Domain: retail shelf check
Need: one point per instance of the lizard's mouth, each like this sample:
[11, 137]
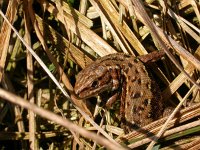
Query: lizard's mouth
[91, 92]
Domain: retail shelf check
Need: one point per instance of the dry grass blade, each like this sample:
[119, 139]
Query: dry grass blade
[123, 29]
[56, 82]
[51, 116]
[146, 20]
[180, 79]
[74, 53]
[5, 34]
[30, 85]
[139, 137]
[167, 133]
[88, 36]
[65, 37]
[164, 127]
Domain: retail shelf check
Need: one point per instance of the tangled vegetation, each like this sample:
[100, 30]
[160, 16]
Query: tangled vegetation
[39, 109]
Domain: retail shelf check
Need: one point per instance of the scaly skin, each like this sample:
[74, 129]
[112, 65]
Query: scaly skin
[125, 77]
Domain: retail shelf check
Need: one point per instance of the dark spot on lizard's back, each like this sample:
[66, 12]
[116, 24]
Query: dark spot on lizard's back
[136, 95]
[141, 108]
[139, 81]
[130, 65]
[146, 102]
[136, 71]
[128, 56]
[128, 103]
[129, 88]
[129, 77]
[134, 110]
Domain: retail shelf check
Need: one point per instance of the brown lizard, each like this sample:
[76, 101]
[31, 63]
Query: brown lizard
[126, 77]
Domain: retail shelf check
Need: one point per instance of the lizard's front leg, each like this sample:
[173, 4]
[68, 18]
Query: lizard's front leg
[115, 74]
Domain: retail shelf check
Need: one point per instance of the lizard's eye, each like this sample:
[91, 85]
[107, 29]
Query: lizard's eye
[94, 84]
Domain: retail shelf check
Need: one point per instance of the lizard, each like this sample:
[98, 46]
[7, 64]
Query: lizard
[127, 78]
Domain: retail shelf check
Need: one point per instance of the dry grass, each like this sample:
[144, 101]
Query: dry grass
[66, 37]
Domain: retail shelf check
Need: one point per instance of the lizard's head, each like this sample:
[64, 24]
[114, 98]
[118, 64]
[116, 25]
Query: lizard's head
[92, 80]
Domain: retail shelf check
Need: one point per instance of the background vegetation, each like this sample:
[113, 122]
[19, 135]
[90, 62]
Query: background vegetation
[67, 35]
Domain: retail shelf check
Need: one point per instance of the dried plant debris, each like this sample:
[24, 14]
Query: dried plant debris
[69, 35]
